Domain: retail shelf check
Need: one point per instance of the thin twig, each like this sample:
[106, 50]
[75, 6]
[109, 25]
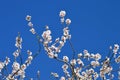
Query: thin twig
[73, 50]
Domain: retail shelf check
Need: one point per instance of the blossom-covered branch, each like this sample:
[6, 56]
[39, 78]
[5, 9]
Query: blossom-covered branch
[79, 70]
[82, 66]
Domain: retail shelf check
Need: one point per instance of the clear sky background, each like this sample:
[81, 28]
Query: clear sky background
[95, 26]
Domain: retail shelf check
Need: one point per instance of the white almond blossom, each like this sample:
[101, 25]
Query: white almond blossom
[1, 66]
[18, 42]
[116, 48]
[62, 78]
[95, 63]
[32, 30]
[68, 21]
[30, 24]
[65, 67]
[54, 74]
[16, 66]
[117, 59]
[73, 62]
[62, 14]
[65, 59]
[28, 18]
[16, 53]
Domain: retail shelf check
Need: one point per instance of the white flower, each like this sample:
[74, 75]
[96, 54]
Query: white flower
[62, 20]
[65, 59]
[106, 62]
[18, 43]
[110, 47]
[46, 35]
[23, 67]
[63, 38]
[30, 24]
[61, 43]
[77, 70]
[68, 21]
[52, 47]
[66, 32]
[116, 48]
[1, 65]
[65, 67]
[57, 40]
[117, 59]
[80, 62]
[49, 38]
[16, 54]
[18, 39]
[48, 32]
[85, 51]
[29, 52]
[73, 62]
[32, 30]
[92, 56]
[7, 61]
[51, 55]
[97, 56]
[16, 66]
[55, 55]
[95, 75]
[46, 27]
[79, 55]
[28, 17]
[69, 36]
[91, 71]
[30, 58]
[84, 73]
[62, 78]
[95, 63]
[54, 74]
[21, 73]
[106, 69]
[87, 55]
[62, 14]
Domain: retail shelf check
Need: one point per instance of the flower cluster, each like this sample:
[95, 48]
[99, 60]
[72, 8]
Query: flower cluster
[5, 63]
[50, 46]
[30, 24]
[81, 71]
[18, 69]
[76, 67]
[18, 43]
[82, 66]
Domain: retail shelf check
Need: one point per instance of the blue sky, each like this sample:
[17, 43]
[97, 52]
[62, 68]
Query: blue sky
[95, 26]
